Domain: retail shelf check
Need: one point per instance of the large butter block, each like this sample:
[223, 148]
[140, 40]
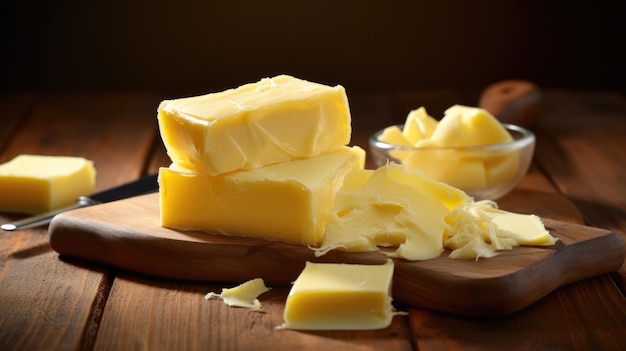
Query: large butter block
[330, 296]
[274, 120]
[34, 184]
[288, 201]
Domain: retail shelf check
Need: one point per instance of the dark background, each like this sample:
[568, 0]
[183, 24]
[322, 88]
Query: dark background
[192, 47]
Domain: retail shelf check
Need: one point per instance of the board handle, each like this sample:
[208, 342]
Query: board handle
[514, 101]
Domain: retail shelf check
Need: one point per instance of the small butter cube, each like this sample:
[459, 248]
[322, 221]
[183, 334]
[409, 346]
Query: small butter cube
[274, 120]
[334, 296]
[289, 201]
[35, 184]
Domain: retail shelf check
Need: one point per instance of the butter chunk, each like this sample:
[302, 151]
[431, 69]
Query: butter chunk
[525, 229]
[391, 207]
[469, 126]
[289, 201]
[419, 126]
[34, 184]
[244, 295]
[480, 229]
[274, 120]
[337, 296]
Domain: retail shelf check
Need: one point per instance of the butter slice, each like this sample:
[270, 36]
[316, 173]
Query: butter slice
[34, 184]
[336, 296]
[244, 295]
[274, 120]
[288, 201]
[391, 207]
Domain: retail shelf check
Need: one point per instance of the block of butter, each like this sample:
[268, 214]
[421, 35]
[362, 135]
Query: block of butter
[336, 296]
[274, 120]
[34, 184]
[288, 201]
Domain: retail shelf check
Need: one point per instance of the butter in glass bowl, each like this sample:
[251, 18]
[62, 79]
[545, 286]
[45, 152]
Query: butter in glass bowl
[468, 149]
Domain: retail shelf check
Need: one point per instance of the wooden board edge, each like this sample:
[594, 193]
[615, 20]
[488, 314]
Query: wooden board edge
[493, 296]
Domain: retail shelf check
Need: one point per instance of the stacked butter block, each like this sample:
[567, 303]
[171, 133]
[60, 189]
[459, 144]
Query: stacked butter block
[262, 160]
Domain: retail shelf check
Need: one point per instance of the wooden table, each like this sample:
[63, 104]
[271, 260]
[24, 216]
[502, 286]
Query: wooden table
[52, 302]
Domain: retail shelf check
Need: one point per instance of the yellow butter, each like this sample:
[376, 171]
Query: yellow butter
[480, 229]
[439, 156]
[469, 126]
[274, 120]
[394, 135]
[34, 184]
[332, 296]
[419, 126]
[289, 201]
[244, 295]
[394, 207]
[525, 229]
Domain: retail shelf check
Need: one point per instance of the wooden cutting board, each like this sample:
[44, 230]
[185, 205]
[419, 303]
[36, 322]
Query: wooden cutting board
[126, 234]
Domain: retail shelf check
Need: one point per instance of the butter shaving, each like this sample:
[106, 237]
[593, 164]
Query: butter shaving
[244, 295]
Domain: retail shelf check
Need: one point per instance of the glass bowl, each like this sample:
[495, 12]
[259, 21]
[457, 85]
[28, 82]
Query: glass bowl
[485, 172]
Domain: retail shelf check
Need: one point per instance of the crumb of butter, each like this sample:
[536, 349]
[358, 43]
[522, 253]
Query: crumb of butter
[244, 295]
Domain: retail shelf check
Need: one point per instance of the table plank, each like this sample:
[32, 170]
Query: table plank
[116, 131]
[594, 320]
[143, 313]
[15, 108]
[583, 151]
[47, 302]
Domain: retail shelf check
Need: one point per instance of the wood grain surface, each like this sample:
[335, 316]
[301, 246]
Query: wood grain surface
[51, 301]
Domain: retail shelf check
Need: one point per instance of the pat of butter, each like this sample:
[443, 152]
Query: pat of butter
[274, 120]
[335, 296]
[462, 126]
[244, 295]
[289, 201]
[34, 184]
[480, 229]
[419, 126]
[393, 207]
[469, 126]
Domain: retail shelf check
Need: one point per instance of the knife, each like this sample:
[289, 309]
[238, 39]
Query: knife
[144, 185]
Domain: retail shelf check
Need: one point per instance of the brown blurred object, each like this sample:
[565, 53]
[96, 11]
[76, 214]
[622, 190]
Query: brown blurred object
[513, 101]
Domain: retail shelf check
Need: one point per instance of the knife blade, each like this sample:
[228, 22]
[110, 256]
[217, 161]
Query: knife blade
[144, 185]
